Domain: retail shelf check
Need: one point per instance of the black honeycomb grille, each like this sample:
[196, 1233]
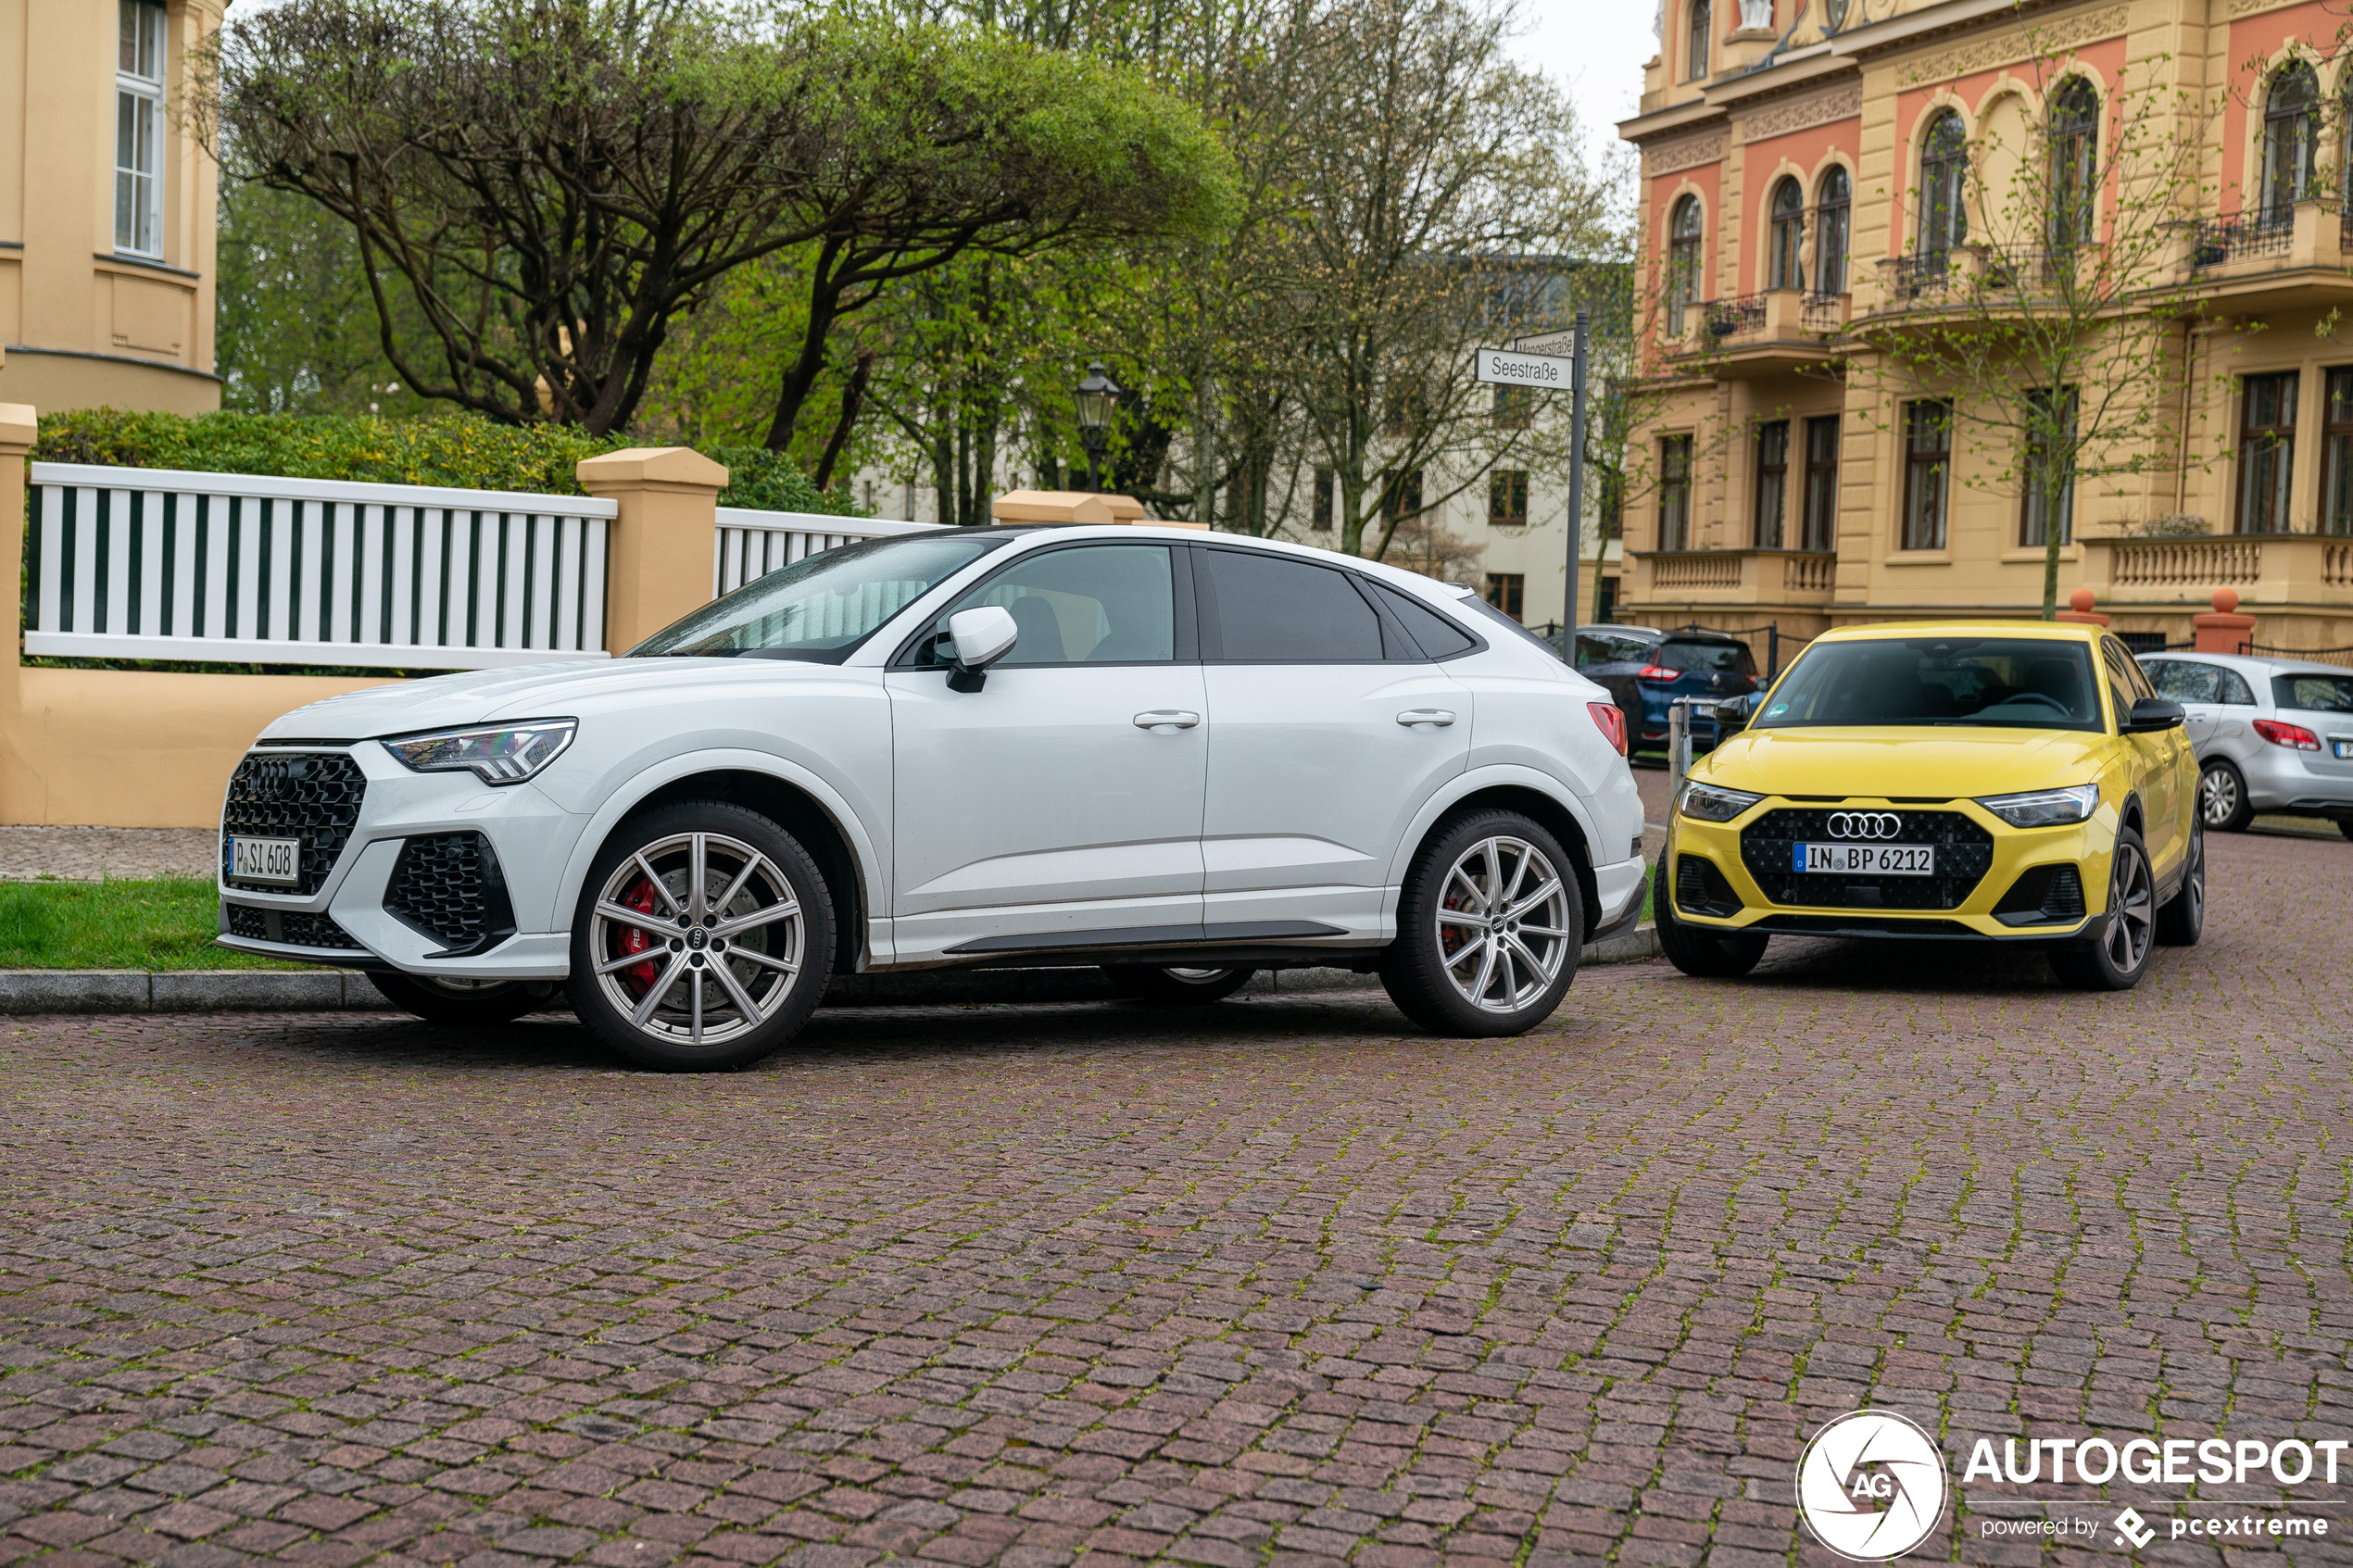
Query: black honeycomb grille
[1963, 854]
[298, 928]
[449, 887]
[313, 796]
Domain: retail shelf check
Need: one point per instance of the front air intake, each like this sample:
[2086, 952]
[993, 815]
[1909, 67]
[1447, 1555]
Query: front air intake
[449, 887]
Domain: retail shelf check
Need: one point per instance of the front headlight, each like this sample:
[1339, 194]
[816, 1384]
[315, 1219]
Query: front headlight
[2045, 807]
[1711, 803]
[496, 754]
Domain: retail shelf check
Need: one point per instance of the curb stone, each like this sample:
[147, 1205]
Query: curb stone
[339, 990]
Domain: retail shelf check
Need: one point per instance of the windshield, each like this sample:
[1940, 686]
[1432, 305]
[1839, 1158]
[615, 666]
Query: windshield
[823, 605]
[1729, 657]
[2314, 694]
[2012, 682]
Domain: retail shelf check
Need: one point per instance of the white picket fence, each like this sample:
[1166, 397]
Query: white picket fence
[237, 569]
[753, 543]
[153, 563]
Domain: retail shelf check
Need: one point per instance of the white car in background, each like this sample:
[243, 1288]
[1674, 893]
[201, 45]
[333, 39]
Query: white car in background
[1177, 757]
[2272, 735]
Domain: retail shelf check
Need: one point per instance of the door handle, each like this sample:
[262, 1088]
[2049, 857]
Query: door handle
[1164, 719]
[1435, 717]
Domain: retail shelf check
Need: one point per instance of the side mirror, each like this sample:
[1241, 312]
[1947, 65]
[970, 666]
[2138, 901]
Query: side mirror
[2152, 713]
[1732, 713]
[979, 638]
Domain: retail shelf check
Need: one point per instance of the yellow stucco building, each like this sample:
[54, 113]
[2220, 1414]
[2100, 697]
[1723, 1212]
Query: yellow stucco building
[106, 207]
[1819, 177]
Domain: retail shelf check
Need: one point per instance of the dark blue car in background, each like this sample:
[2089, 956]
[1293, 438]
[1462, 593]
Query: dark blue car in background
[1645, 669]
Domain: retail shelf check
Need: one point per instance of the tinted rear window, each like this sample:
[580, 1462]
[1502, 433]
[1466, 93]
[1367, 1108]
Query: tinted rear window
[2314, 694]
[1729, 657]
[1437, 636]
[1271, 610]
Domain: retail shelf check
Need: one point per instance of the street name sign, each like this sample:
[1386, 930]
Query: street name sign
[1507, 367]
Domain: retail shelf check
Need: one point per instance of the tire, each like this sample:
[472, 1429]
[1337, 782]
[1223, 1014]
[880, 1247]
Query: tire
[747, 960]
[463, 1004]
[2181, 920]
[1697, 951]
[1177, 986]
[2120, 956]
[2222, 804]
[1445, 925]
[2344, 826]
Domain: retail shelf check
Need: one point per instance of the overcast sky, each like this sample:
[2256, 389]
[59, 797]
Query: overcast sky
[1596, 49]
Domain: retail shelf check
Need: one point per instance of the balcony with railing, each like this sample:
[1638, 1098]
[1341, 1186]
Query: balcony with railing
[1769, 333]
[1736, 577]
[2269, 258]
[2291, 574]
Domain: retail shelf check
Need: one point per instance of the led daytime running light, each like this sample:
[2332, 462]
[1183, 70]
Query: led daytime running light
[496, 754]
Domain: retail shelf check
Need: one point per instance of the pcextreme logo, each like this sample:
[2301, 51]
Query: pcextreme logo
[1870, 1485]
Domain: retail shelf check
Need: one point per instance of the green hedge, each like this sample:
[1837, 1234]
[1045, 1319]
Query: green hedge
[460, 451]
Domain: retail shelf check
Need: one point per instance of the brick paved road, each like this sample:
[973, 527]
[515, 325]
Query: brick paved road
[1095, 1283]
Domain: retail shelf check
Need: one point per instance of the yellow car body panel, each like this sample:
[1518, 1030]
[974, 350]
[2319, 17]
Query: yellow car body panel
[2151, 776]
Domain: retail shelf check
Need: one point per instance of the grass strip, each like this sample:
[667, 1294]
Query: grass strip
[158, 923]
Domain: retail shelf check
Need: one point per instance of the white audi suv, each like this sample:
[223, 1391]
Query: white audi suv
[1180, 757]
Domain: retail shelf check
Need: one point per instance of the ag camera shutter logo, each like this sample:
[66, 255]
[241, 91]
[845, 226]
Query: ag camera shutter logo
[1871, 1486]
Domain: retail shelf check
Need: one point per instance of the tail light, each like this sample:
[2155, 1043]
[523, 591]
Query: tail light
[2295, 736]
[1611, 719]
[1657, 672]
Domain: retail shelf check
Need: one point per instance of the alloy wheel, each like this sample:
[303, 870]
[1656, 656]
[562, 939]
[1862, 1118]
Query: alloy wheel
[2132, 899]
[698, 938]
[1502, 924]
[2193, 885]
[2218, 796]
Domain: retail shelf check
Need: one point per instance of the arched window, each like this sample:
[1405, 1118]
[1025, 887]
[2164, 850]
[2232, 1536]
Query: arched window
[2075, 156]
[1696, 42]
[2291, 139]
[1682, 261]
[1944, 185]
[1831, 212]
[1782, 270]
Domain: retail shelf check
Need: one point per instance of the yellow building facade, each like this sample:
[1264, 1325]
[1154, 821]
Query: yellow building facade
[1818, 178]
[107, 207]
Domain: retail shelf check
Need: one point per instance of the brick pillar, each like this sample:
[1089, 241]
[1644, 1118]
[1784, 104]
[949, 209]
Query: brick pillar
[2224, 631]
[658, 558]
[19, 787]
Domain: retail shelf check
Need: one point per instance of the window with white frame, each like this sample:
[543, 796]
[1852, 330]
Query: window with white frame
[138, 129]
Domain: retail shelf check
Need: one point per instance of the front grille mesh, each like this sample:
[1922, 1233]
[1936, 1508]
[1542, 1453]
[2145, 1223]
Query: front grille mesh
[449, 886]
[1963, 854]
[313, 796]
[298, 928]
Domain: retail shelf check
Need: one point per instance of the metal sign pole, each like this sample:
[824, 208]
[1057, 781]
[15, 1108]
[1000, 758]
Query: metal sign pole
[1576, 488]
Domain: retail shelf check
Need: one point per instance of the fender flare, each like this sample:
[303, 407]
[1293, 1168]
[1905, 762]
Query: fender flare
[1502, 775]
[731, 759]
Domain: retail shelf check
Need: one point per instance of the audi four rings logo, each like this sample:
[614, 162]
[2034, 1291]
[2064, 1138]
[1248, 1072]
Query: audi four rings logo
[1865, 824]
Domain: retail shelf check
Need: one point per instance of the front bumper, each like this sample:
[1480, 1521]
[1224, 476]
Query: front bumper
[2015, 852]
[529, 835]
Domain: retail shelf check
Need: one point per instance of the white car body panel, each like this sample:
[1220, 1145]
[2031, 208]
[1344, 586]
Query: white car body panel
[1033, 805]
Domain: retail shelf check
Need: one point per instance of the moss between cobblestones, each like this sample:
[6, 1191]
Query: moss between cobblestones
[163, 922]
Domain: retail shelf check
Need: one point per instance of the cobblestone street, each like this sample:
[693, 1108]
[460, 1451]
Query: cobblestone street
[1274, 1281]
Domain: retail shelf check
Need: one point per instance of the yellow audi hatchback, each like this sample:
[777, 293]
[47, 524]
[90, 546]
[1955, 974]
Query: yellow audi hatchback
[1966, 781]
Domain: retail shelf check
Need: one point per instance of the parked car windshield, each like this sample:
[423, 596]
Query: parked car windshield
[2314, 694]
[821, 606]
[2012, 682]
[1729, 657]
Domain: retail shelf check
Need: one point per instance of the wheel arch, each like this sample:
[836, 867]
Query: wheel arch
[1535, 796]
[805, 806]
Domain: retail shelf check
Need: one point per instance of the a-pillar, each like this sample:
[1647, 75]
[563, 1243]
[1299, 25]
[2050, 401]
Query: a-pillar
[659, 554]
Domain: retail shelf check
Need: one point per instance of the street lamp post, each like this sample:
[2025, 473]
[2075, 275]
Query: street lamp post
[1096, 396]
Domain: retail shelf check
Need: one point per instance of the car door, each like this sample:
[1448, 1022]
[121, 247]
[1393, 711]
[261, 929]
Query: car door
[1063, 796]
[1329, 729]
[2197, 687]
[2161, 764]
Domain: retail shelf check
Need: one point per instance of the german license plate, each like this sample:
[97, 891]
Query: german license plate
[1865, 859]
[266, 860]
[2344, 747]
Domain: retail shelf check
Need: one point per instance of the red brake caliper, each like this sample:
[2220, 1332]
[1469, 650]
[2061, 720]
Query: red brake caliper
[636, 939]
